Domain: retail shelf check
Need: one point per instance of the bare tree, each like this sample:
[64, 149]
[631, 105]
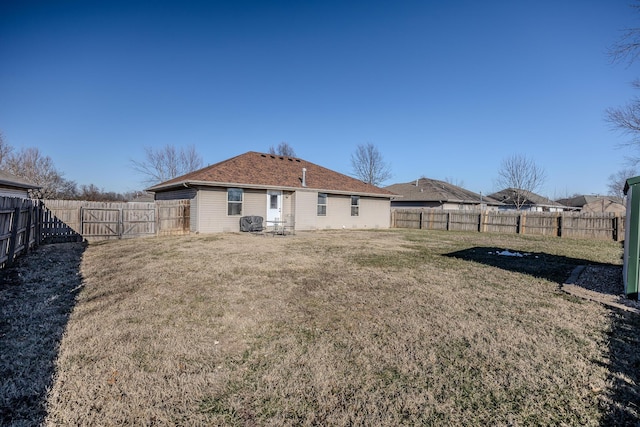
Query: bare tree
[627, 48]
[626, 119]
[31, 165]
[521, 175]
[168, 162]
[368, 165]
[5, 150]
[283, 149]
[618, 180]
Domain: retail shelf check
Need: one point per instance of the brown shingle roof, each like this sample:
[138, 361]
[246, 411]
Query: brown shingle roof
[270, 170]
[433, 190]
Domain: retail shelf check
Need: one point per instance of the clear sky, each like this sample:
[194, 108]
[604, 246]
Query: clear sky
[444, 89]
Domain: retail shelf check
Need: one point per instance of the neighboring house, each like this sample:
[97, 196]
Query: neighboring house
[596, 204]
[277, 188]
[431, 193]
[528, 201]
[12, 186]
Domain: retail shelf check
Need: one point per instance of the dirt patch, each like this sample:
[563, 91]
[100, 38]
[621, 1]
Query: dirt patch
[37, 295]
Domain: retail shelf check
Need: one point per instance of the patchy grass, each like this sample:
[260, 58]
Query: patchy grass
[341, 328]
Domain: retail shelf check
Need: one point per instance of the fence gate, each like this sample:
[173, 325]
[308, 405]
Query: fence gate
[117, 223]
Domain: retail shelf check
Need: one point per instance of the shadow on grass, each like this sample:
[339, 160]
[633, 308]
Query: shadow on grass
[555, 268]
[37, 296]
[624, 371]
[622, 400]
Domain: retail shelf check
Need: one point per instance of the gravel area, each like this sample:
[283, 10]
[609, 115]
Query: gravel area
[601, 283]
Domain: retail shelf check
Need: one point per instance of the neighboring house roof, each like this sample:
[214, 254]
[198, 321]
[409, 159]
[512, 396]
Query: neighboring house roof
[587, 203]
[433, 190]
[259, 170]
[507, 196]
[10, 180]
[582, 200]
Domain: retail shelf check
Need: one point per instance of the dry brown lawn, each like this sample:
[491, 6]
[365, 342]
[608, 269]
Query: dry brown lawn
[343, 328]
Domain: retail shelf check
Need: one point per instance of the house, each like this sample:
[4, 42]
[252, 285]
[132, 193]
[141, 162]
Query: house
[12, 186]
[595, 204]
[515, 199]
[431, 193]
[277, 188]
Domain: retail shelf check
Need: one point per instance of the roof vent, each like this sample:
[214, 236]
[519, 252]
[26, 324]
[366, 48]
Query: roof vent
[304, 177]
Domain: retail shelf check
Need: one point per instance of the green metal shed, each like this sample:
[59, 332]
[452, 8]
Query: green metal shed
[631, 268]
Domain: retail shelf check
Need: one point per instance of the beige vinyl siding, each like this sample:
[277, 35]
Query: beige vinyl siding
[305, 208]
[255, 203]
[212, 209]
[374, 212]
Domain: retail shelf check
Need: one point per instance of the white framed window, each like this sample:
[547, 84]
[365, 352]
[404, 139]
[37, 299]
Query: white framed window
[355, 205]
[322, 204]
[234, 201]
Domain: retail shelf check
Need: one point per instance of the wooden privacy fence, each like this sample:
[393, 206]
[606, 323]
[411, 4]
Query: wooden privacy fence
[26, 223]
[92, 221]
[19, 227]
[562, 224]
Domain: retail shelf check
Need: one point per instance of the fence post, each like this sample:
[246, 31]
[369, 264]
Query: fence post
[448, 220]
[27, 233]
[518, 221]
[38, 218]
[420, 218]
[615, 223]
[560, 224]
[14, 235]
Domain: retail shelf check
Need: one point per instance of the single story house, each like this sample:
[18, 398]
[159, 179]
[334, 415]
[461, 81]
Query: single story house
[526, 200]
[595, 204]
[277, 188]
[12, 186]
[432, 193]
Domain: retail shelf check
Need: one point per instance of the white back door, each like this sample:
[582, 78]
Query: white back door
[274, 205]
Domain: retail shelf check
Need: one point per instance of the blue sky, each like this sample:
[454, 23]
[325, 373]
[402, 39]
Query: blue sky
[443, 89]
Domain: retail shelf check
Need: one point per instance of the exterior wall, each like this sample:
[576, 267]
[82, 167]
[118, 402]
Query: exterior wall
[604, 206]
[255, 203]
[306, 208]
[14, 192]
[210, 214]
[212, 209]
[373, 212]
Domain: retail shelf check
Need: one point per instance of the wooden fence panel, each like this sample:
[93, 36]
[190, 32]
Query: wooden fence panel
[500, 222]
[540, 223]
[464, 221]
[597, 226]
[173, 217]
[95, 221]
[563, 224]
